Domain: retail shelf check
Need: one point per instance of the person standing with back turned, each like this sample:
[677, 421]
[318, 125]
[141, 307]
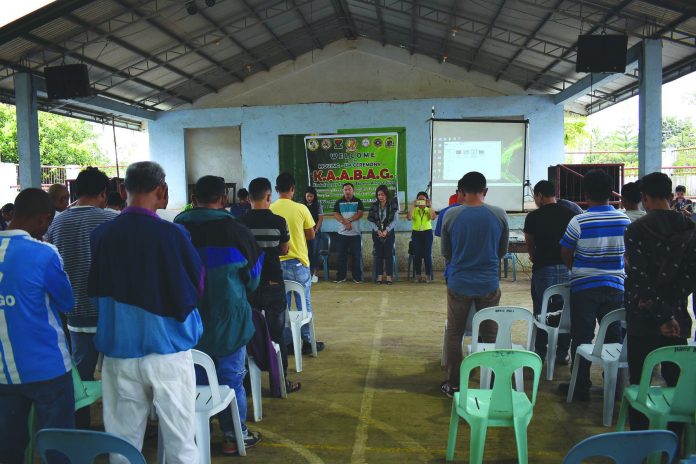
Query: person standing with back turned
[145, 279]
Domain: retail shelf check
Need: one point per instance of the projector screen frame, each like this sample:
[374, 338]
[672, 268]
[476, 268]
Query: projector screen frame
[525, 168]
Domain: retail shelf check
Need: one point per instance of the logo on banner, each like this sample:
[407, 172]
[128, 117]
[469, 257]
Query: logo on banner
[389, 143]
[326, 144]
[351, 145]
[365, 142]
[338, 143]
[377, 142]
[312, 144]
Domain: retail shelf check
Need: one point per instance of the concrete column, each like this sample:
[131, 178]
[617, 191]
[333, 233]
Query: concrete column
[27, 131]
[650, 108]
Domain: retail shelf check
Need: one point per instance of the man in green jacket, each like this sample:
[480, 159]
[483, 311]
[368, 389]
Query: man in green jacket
[232, 262]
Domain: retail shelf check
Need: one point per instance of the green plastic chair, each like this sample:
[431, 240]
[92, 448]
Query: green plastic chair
[662, 405]
[500, 407]
[87, 392]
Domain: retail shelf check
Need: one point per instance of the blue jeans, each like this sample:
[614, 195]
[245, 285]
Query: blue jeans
[54, 403]
[354, 243]
[231, 371]
[294, 270]
[587, 307]
[542, 279]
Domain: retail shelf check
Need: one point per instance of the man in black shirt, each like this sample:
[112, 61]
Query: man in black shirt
[272, 235]
[543, 230]
[661, 265]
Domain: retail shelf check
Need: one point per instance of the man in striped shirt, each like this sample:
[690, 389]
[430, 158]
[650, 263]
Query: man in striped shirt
[593, 249]
[70, 233]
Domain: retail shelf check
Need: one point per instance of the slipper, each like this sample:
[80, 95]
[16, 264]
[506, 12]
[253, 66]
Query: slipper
[292, 387]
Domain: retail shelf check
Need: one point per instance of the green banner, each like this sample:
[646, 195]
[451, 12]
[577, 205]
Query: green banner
[365, 160]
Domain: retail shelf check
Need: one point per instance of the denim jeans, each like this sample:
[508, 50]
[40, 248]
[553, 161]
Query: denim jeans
[354, 243]
[383, 251]
[587, 307]
[423, 247]
[231, 371]
[294, 270]
[542, 279]
[85, 357]
[54, 403]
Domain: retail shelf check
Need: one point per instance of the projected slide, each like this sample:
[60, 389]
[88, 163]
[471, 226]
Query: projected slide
[495, 149]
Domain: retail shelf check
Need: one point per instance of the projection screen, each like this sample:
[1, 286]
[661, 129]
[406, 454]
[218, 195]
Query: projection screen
[496, 148]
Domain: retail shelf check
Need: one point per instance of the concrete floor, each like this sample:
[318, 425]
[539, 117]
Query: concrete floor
[372, 396]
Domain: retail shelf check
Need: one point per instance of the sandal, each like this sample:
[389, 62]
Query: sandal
[292, 387]
[448, 389]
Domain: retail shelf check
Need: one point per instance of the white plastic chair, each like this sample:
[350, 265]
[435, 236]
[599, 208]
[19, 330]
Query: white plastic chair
[467, 333]
[255, 380]
[296, 319]
[562, 290]
[504, 316]
[612, 357]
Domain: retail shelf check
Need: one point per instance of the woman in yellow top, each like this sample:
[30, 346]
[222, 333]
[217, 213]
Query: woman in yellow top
[421, 213]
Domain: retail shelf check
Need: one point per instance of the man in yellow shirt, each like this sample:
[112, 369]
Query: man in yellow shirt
[295, 264]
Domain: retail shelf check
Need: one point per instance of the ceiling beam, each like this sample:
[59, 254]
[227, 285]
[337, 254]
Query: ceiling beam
[608, 15]
[115, 71]
[414, 17]
[38, 18]
[380, 20]
[290, 54]
[531, 37]
[341, 8]
[450, 31]
[307, 27]
[488, 29]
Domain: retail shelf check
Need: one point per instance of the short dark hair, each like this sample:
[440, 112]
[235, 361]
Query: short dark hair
[259, 188]
[545, 188]
[210, 189]
[242, 194]
[631, 192]
[91, 182]
[31, 202]
[285, 182]
[311, 190]
[144, 177]
[597, 185]
[657, 185]
[425, 194]
[680, 188]
[8, 207]
[472, 182]
[114, 199]
[348, 183]
[382, 188]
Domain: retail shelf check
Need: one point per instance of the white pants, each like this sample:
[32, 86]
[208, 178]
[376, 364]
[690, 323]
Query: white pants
[131, 386]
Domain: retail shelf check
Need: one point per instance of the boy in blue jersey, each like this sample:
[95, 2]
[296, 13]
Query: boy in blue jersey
[474, 239]
[232, 263]
[36, 366]
[593, 249]
[145, 280]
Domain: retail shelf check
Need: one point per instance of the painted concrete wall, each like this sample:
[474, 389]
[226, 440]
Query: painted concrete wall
[260, 127]
[214, 151]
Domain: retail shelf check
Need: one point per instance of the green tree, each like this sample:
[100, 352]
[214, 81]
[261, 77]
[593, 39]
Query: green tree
[575, 137]
[62, 140]
[678, 133]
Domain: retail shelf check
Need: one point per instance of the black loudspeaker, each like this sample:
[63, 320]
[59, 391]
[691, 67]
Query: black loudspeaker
[67, 81]
[601, 53]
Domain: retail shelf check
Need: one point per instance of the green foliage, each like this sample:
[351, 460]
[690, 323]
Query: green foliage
[575, 134]
[62, 140]
[678, 133]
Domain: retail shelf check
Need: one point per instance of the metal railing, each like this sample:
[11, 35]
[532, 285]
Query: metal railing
[59, 174]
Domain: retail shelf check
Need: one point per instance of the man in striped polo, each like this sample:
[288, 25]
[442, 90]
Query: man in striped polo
[593, 249]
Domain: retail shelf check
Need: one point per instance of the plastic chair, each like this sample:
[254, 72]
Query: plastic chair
[499, 407]
[255, 380]
[210, 400]
[83, 446]
[625, 447]
[324, 252]
[612, 357]
[296, 319]
[562, 290]
[395, 265]
[513, 258]
[86, 393]
[662, 405]
[504, 316]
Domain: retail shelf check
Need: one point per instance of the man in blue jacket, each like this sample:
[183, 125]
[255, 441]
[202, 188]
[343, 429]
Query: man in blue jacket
[232, 263]
[35, 362]
[145, 280]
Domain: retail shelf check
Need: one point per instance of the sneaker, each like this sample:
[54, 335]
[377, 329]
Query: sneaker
[448, 389]
[562, 360]
[315, 279]
[307, 347]
[229, 445]
[580, 394]
[357, 281]
[252, 439]
[338, 281]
